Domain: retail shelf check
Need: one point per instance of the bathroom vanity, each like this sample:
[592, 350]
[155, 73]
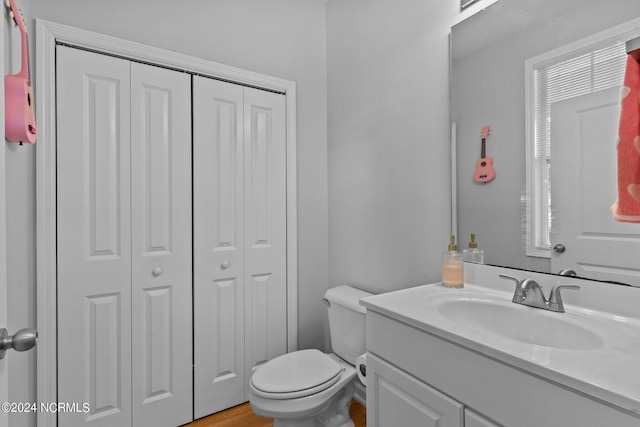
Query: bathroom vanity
[471, 357]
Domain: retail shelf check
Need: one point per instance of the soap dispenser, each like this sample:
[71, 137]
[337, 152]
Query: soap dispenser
[473, 254]
[452, 267]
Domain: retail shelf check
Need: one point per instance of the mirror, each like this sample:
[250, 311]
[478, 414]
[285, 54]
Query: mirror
[488, 54]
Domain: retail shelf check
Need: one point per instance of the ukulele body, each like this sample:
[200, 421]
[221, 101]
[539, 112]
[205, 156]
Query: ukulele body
[484, 170]
[19, 118]
[19, 111]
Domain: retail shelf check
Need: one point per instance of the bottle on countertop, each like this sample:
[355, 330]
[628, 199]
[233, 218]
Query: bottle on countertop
[473, 254]
[452, 267]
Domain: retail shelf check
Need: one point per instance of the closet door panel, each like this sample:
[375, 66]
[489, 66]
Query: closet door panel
[94, 244]
[161, 246]
[219, 374]
[265, 227]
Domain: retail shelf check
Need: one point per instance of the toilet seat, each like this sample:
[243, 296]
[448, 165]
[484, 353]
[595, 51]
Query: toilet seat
[298, 374]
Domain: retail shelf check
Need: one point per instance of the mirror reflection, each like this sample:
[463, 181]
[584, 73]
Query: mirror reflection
[545, 76]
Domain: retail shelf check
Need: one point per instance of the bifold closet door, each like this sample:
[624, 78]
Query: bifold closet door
[94, 237]
[239, 238]
[265, 228]
[162, 337]
[218, 261]
[124, 241]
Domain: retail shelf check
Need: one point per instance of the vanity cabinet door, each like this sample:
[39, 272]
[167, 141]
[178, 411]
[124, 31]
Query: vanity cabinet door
[473, 419]
[395, 398]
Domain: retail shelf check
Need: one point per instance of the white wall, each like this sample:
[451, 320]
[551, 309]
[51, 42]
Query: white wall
[389, 139]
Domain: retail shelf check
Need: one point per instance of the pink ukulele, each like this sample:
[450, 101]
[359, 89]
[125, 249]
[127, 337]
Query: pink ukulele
[19, 116]
[484, 165]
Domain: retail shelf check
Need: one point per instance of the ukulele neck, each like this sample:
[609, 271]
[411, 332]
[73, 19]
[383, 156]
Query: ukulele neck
[24, 68]
[483, 151]
[17, 19]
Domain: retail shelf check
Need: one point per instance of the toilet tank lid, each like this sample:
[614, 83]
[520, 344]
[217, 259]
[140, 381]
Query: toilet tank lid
[347, 296]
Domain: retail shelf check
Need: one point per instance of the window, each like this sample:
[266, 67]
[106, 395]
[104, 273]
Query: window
[580, 68]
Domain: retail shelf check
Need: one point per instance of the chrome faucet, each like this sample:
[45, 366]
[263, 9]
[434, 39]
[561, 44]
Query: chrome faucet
[568, 272]
[555, 298]
[528, 292]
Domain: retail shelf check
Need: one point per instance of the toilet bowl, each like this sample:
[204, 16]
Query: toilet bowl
[307, 404]
[309, 388]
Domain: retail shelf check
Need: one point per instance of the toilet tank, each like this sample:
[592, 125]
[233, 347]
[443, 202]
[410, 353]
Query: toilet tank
[346, 321]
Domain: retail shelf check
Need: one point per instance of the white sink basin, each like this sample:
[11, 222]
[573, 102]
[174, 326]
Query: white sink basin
[516, 322]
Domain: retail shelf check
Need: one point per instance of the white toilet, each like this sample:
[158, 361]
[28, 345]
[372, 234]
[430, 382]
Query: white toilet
[308, 388]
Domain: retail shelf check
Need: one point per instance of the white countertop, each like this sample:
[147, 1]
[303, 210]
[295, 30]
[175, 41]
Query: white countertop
[610, 373]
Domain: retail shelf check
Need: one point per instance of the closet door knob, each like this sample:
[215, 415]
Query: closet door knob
[225, 264]
[157, 271]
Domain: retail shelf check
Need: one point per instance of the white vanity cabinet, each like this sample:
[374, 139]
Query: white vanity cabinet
[395, 398]
[418, 377]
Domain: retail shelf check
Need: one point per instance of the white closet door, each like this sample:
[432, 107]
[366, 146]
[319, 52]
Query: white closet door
[161, 246]
[265, 227]
[219, 372]
[94, 238]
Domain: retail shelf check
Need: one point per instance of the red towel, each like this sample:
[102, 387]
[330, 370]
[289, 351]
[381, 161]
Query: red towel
[627, 208]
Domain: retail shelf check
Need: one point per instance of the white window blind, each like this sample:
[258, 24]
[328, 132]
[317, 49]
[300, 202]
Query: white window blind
[563, 77]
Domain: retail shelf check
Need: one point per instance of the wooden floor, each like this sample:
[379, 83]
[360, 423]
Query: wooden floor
[243, 416]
